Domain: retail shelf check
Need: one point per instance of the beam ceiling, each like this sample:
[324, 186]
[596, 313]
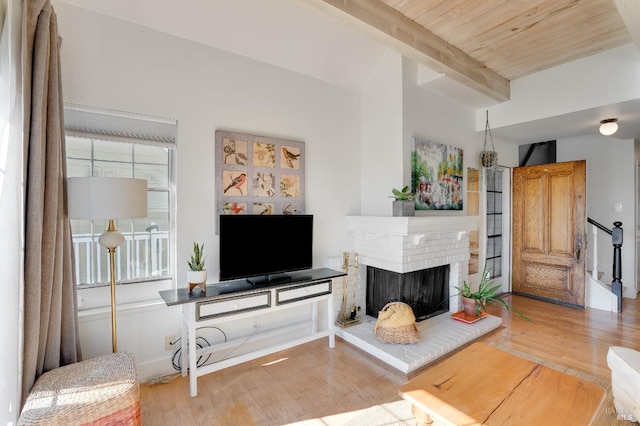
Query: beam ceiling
[418, 43]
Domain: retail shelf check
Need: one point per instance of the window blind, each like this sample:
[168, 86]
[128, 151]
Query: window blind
[80, 120]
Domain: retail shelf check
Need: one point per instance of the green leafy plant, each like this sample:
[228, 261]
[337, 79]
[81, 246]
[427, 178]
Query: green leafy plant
[487, 292]
[403, 195]
[196, 263]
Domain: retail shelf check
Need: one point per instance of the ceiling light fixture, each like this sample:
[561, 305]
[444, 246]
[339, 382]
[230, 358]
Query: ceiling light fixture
[609, 126]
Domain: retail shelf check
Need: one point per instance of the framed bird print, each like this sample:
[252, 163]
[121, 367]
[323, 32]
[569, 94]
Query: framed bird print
[258, 174]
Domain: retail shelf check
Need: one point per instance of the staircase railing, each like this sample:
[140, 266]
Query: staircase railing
[616, 240]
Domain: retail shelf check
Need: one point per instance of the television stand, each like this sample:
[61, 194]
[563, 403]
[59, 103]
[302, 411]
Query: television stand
[228, 301]
[274, 279]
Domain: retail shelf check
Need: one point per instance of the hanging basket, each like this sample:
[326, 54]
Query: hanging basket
[488, 159]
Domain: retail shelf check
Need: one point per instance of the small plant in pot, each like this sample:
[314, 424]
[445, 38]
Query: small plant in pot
[196, 274]
[404, 203]
[475, 302]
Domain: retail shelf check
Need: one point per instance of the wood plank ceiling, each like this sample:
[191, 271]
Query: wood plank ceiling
[487, 43]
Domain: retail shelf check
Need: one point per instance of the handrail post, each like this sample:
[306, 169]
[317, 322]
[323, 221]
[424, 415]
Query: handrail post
[616, 284]
[594, 269]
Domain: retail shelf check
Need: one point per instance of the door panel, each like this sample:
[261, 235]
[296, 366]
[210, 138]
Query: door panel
[549, 219]
[531, 209]
[561, 243]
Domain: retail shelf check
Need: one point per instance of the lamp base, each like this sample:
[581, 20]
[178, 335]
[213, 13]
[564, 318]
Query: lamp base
[111, 239]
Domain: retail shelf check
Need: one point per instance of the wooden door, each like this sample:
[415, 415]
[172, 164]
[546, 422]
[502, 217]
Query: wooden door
[549, 240]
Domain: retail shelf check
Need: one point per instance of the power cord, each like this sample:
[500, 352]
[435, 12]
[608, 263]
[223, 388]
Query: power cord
[163, 380]
[255, 330]
[201, 342]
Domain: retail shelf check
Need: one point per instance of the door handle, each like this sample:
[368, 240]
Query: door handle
[578, 250]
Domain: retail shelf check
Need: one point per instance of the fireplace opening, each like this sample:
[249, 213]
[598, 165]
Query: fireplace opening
[426, 290]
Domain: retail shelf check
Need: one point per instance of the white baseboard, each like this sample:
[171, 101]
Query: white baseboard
[156, 368]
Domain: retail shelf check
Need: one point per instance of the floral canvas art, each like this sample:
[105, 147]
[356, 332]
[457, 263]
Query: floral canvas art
[436, 175]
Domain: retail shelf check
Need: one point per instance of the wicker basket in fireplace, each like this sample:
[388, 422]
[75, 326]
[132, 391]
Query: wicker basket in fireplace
[396, 324]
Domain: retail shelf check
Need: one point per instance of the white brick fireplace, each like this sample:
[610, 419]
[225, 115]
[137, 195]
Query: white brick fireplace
[407, 244]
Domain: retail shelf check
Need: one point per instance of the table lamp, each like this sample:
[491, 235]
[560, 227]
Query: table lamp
[110, 198]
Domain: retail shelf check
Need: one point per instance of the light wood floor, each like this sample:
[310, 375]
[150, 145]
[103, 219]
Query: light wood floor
[312, 381]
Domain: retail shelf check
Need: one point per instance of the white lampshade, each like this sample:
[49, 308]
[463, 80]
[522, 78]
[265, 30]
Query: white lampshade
[106, 198]
[609, 126]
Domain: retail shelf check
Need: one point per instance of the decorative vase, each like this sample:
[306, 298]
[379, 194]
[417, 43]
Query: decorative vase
[404, 208]
[197, 278]
[469, 306]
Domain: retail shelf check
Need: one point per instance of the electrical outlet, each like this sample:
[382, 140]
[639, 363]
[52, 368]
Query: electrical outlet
[170, 342]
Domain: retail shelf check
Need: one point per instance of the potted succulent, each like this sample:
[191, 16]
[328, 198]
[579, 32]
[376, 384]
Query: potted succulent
[404, 203]
[196, 274]
[474, 303]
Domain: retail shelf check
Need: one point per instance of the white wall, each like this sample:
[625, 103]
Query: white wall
[394, 109]
[381, 147]
[595, 81]
[11, 213]
[432, 116]
[610, 179]
[114, 64]
[636, 232]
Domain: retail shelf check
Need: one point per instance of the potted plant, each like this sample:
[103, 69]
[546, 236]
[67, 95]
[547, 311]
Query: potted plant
[474, 303]
[404, 204]
[196, 274]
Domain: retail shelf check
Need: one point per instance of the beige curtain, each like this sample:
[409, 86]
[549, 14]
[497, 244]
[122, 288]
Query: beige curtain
[50, 311]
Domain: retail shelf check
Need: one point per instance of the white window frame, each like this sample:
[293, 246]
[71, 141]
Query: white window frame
[104, 124]
[505, 279]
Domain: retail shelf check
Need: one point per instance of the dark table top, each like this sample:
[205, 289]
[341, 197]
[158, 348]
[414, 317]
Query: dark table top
[216, 290]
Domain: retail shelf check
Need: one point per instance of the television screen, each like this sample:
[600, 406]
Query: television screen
[256, 247]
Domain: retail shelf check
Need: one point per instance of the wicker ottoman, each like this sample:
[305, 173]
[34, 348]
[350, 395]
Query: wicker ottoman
[98, 391]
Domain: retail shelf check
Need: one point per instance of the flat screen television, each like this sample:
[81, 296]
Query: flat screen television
[263, 249]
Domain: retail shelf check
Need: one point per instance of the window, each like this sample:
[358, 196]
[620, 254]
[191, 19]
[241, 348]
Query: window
[147, 251]
[494, 222]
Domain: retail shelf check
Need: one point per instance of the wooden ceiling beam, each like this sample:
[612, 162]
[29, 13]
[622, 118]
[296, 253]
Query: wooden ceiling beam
[629, 11]
[416, 42]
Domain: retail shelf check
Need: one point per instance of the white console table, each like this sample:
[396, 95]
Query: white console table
[233, 300]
